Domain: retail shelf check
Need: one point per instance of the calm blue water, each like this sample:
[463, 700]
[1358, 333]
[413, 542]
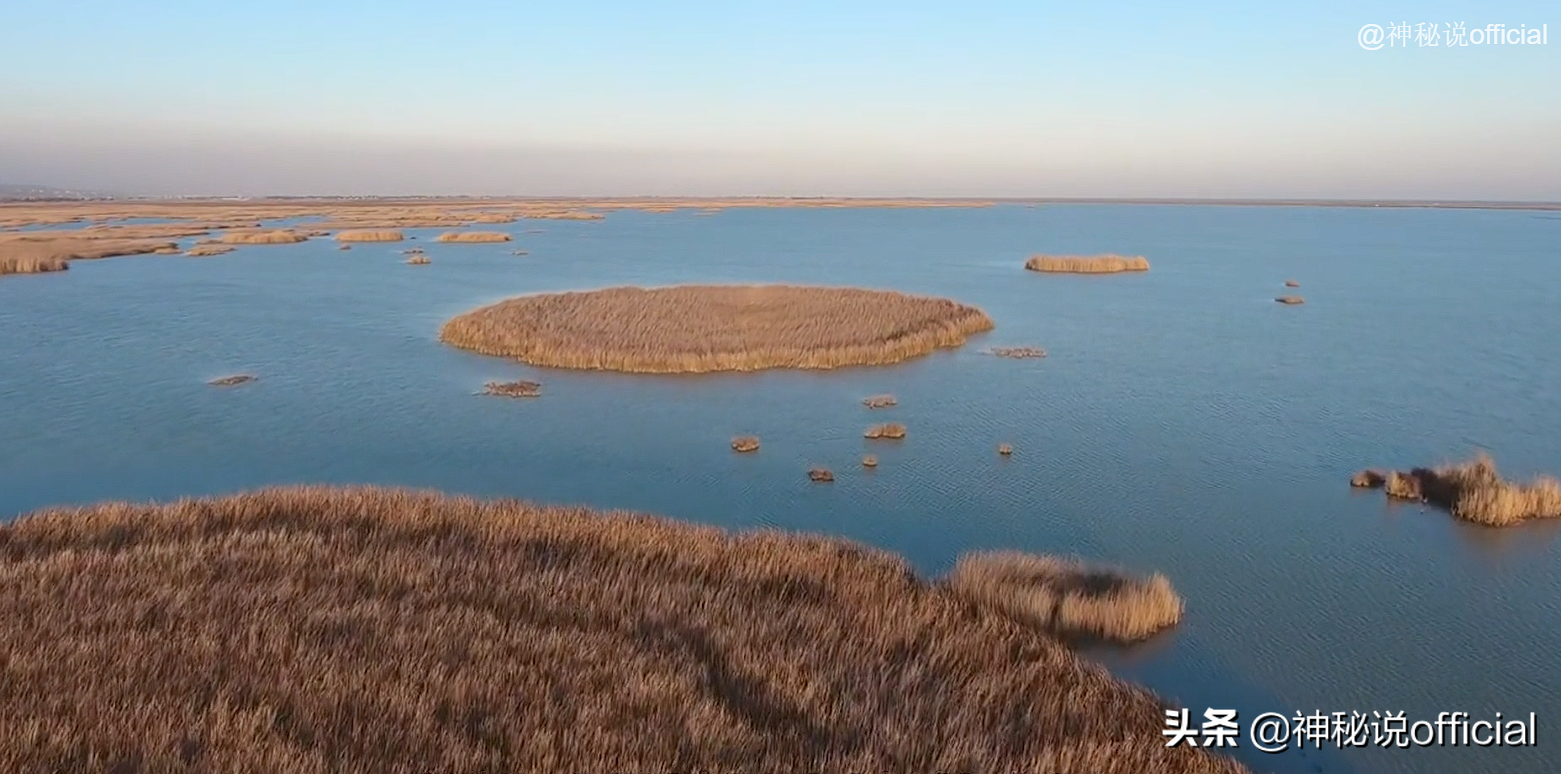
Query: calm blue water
[1184, 422]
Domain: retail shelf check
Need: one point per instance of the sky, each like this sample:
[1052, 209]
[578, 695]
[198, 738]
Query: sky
[983, 99]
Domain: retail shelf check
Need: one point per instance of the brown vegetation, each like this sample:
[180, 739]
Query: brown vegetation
[702, 328]
[369, 235]
[520, 389]
[879, 401]
[745, 443]
[1087, 264]
[869, 461]
[892, 430]
[312, 630]
[1066, 596]
[1368, 479]
[31, 252]
[419, 259]
[822, 475]
[1291, 300]
[1474, 491]
[281, 237]
[203, 251]
[474, 236]
[1018, 352]
[1005, 449]
[235, 379]
[1292, 284]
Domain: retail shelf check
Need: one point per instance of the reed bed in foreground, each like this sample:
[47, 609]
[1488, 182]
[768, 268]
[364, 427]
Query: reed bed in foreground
[312, 630]
[519, 389]
[1087, 264]
[745, 443]
[278, 237]
[1474, 491]
[879, 401]
[703, 328]
[369, 235]
[891, 430]
[1066, 596]
[473, 236]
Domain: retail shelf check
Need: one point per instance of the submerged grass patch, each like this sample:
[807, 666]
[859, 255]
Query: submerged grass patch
[1087, 264]
[1066, 596]
[519, 389]
[473, 236]
[702, 328]
[304, 630]
[230, 381]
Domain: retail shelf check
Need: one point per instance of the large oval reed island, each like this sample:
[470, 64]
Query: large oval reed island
[359, 629]
[703, 328]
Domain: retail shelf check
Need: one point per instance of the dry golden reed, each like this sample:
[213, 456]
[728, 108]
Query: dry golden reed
[892, 430]
[1087, 264]
[1066, 596]
[1474, 491]
[702, 328]
[879, 401]
[473, 236]
[1291, 300]
[204, 251]
[316, 630]
[1368, 479]
[519, 389]
[745, 443]
[44, 251]
[281, 237]
[1292, 284]
[369, 235]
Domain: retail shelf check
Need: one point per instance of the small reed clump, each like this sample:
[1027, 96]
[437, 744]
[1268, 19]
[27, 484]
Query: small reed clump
[419, 259]
[821, 475]
[1403, 486]
[1474, 491]
[1368, 479]
[1292, 284]
[32, 264]
[229, 381]
[879, 401]
[369, 235]
[280, 237]
[869, 461]
[745, 443]
[345, 247]
[890, 431]
[1291, 300]
[1066, 596]
[520, 389]
[1017, 352]
[1005, 449]
[1087, 264]
[203, 251]
[704, 328]
[473, 236]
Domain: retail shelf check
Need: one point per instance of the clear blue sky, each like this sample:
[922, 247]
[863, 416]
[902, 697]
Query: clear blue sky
[612, 97]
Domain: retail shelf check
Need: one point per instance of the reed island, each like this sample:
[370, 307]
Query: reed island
[704, 328]
[311, 629]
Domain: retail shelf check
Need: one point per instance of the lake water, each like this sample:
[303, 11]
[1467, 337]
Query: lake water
[1184, 422]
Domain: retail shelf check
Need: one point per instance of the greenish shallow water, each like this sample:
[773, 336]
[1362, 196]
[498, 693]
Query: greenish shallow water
[1184, 422]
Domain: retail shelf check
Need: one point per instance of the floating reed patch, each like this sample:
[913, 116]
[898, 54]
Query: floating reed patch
[745, 443]
[703, 328]
[369, 235]
[869, 461]
[279, 237]
[1368, 479]
[204, 251]
[1017, 352]
[520, 389]
[879, 401]
[1292, 284]
[821, 475]
[1474, 491]
[891, 431]
[1066, 596]
[235, 379]
[1087, 264]
[1005, 449]
[1291, 300]
[302, 630]
[473, 236]
[419, 259]
[345, 247]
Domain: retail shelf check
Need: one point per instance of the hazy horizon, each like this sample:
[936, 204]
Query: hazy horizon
[987, 100]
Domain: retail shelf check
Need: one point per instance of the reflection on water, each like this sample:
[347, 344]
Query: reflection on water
[1183, 421]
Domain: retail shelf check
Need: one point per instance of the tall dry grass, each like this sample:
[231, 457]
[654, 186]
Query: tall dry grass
[1087, 264]
[1474, 491]
[1066, 596]
[473, 236]
[38, 251]
[702, 328]
[315, 630]
[369, 235]
[32, 264]
[278, 237]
